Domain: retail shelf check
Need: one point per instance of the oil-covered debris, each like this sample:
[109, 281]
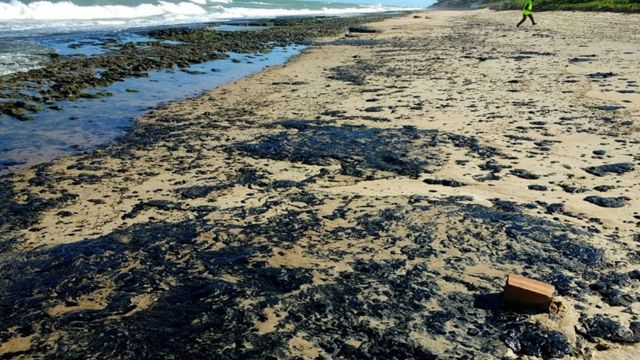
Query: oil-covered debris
[525, 174]
[355, 74]
[600, 326]
[445, 182]
[159, 289]
[358, 149]
[531, 339]
[607, 202]
[602, 170]
[20, 214]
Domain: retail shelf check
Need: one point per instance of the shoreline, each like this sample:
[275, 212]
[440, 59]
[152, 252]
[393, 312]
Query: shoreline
[391, 171]
[71, 94]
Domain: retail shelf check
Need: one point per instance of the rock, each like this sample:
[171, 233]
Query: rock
[603, 188]
[537, 187]
[572, 189]
[532, 340]
[196, 192]
[599, 152]
[601, 75]
[607, 202]
[600, 326]
[524, 174]
[445, 182]
[362, 29]
[617, 168]
[374, 109]
[609, 107]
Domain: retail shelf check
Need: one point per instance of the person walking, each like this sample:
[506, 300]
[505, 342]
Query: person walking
[526, 12]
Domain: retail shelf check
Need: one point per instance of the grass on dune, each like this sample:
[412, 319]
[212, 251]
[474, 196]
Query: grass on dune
[541, 5]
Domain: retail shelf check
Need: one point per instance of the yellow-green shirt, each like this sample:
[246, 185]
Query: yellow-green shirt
[528, 6]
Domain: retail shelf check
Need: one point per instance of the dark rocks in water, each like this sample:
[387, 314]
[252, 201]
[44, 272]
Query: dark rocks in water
[537, 187]
[600, 326]
[8, 163]
[524, 174]
[617, 168]
[607, 202]
[445, 182]
[363, 29]
[532, 340]
[68, 77]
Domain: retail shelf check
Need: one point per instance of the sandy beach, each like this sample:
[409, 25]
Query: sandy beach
[365, 200]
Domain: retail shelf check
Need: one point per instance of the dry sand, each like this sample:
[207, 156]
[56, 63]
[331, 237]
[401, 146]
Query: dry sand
[405, 267]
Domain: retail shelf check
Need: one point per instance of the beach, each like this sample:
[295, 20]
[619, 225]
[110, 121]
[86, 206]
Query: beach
[367, 199]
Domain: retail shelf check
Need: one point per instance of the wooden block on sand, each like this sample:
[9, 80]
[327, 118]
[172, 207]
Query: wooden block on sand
[526, 292]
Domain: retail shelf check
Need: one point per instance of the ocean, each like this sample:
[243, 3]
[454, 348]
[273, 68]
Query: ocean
[26, 24]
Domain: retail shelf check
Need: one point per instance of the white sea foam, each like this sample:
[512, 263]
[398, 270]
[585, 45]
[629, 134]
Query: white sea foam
[196, 10]
[46, 10]
[18, 19]
[226, 13]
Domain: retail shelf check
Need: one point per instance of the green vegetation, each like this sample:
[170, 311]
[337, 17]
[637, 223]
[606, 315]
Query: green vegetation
[542, 5]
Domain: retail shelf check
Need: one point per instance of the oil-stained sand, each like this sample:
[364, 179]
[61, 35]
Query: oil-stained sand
[364, 201]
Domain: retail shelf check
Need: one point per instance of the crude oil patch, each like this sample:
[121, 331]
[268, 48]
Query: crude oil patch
[210, 298]
[359, 150]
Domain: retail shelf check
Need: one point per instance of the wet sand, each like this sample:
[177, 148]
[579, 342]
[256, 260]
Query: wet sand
[366, 200]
